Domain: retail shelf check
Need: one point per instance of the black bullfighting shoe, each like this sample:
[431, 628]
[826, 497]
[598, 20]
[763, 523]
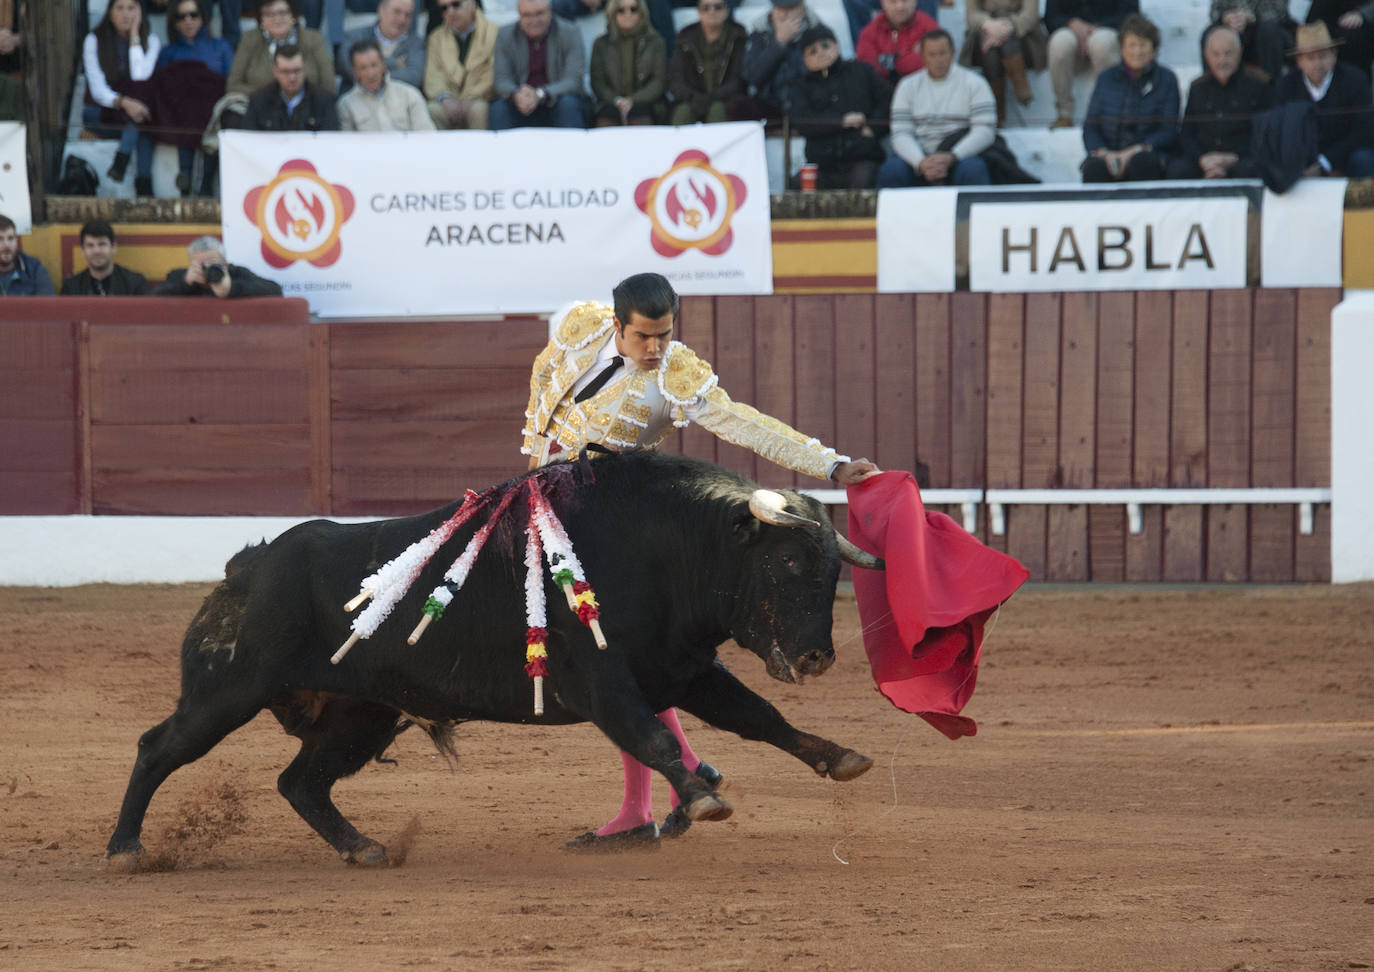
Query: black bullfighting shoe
[642, 838]
[677, 822]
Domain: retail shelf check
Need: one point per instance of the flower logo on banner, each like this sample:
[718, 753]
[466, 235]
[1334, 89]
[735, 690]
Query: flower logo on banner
[690, 206]
[299, 215]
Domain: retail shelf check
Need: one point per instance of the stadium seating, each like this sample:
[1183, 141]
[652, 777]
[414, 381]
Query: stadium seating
[1050, 156]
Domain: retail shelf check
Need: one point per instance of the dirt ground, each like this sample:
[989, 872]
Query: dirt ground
[1163, 779]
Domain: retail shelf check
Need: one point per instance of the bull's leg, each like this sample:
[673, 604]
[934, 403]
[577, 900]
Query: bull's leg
[621, 712]
[726, 703]
[339, 742]
[188, 734]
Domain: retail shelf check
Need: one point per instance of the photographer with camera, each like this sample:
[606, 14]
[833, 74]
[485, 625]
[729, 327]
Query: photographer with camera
[209, 273]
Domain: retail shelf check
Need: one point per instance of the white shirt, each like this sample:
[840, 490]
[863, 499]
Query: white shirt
[142, 60]
[1318, 92]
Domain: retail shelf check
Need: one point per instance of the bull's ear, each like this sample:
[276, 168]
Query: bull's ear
[746, 528]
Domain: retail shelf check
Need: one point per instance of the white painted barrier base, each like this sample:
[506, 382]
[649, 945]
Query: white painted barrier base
[62, 551]
[1352, 439]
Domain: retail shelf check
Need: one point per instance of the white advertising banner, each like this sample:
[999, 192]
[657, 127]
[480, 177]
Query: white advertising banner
[444, 223]
[916, 240]
[1136, 244]
[14, 176]
[1142, 236]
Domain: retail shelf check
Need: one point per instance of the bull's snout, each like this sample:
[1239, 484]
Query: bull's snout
[815, 662]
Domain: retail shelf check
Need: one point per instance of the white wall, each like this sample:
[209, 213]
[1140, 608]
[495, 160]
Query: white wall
[62, 551]
[1352, 439]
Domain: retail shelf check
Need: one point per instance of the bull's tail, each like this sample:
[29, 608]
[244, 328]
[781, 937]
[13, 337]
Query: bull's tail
[442, 734]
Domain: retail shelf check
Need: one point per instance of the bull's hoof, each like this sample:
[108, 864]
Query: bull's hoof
[641, 838]
[851, 766]
[709, 807]
[372, 854]
[126, 861]
[675, 824]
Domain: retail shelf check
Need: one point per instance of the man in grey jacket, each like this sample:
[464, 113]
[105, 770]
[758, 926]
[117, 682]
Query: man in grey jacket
[540, 63]
[402, 49]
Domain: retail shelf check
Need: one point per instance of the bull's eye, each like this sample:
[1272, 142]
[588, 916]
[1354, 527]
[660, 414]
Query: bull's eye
[790, 563]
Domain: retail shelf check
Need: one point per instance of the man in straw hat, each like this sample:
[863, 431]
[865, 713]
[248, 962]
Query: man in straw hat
[1340, 96]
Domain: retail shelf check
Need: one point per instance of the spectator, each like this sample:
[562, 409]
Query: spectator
[540, 63]
[230, 12]
[380, 103]
[773, 60]
[704, 74]
[20, 274]
[943, 118]
[118, 55]
[891, 42]
[1264, 27]
[277, 26]
[102, 276]
[1082, 32]
[186, 94]
[629, 68]
[1350, 22]
[1340, 97]
[209, 274]
[836, 106]
[1132, 121]
[13, 101]
[403, 50]
[459, 66]
[1214, 142]
[12, 37]
[1004, 39]
[291, 103]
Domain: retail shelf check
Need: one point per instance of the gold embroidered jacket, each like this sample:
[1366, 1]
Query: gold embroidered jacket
[639, 408]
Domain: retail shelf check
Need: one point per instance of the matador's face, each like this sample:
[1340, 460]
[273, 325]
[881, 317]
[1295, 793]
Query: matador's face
[644, 340]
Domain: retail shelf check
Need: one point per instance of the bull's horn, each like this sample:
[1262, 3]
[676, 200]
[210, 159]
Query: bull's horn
[768, 507]
[851, 554]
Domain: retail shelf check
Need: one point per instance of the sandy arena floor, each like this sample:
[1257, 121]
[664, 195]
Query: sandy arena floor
[1164, 779]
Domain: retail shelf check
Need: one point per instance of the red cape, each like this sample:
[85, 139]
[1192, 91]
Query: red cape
[923, 616]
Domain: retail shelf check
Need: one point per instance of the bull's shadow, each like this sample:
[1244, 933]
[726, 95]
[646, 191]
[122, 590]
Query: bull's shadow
[680, 564]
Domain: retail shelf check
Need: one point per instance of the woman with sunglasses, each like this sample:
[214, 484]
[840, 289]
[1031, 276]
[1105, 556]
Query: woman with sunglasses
[278, 24]
[629, 67]
[191, 72]
[704, 75]
[119, 55]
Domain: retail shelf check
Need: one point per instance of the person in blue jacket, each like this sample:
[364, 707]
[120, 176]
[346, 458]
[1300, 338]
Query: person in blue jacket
[189, 39]
[1132, 122]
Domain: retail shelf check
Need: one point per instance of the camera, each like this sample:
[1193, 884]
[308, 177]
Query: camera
[215, 272]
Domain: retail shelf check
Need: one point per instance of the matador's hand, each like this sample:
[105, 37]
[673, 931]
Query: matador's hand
[849, 473]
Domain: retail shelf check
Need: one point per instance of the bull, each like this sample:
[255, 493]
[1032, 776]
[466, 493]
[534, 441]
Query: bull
[680, 562]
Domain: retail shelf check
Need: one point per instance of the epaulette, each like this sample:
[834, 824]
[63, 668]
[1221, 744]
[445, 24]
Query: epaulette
[683, 377]
[582, 324]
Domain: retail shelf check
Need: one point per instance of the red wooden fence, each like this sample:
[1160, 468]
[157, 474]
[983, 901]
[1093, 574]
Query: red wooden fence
[213, 407]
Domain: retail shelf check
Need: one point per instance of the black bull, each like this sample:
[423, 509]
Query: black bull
[679, 565]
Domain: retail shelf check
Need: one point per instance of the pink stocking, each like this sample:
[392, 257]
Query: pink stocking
[689, 759]
[638, 806]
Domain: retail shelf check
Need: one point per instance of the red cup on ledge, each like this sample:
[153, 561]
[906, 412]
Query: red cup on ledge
[810, 174]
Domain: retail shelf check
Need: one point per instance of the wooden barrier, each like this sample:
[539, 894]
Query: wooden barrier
[247, 407]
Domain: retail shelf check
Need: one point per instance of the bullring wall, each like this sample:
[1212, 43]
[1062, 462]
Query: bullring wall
[159, 406]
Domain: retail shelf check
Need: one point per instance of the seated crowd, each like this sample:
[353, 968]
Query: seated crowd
[940, 104]
[208, 272]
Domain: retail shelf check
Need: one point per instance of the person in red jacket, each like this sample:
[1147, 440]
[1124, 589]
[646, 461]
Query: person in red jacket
[891, 42]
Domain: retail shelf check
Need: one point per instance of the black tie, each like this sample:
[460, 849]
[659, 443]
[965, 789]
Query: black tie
[599, 382]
